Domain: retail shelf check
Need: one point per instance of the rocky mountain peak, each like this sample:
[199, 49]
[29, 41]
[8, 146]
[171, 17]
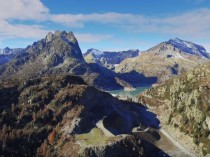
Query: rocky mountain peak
[93, 51]
[49, 37]
[68, 37]
[188, 47]
[6, 51]
[61, 43]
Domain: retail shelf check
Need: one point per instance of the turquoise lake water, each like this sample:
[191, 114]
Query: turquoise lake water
[130, 93]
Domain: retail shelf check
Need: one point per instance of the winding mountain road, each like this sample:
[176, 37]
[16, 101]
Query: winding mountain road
[178, 145]
[100, 125]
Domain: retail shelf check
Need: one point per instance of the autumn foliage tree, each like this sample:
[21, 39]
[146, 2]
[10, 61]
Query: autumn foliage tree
[51, 136]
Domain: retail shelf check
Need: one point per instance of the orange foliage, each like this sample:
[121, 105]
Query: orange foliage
[51, 137]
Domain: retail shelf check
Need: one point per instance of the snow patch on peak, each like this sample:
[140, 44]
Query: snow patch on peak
[189, 47]
[94, 52]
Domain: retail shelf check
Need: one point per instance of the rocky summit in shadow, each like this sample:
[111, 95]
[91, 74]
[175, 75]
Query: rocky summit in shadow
[57, 53]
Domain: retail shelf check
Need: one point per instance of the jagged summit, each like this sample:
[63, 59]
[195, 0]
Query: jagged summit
[68, 37]
[57, 53]
[93, 51]
[188, 47]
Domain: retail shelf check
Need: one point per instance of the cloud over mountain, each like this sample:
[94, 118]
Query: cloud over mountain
[31, 19]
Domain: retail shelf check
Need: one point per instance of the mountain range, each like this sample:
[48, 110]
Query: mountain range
[8, 54]
[108, 59]
[60, 53]
[57, 53]
[165, 60]
[51, 103]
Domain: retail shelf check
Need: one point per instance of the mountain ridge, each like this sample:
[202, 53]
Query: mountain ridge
[189, 47]
[163, 61]
[57, 53]
[109, 59]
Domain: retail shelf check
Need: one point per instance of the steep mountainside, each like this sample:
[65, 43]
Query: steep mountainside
[184, 103]
[108, 59]
[62, 116]
[58, 53]
[166, 60]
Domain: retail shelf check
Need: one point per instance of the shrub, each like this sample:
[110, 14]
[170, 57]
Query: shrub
[51, 137]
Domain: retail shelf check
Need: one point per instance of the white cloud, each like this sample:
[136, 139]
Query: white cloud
[195, 24]
[206, 46]
[8, 30]
[23, 10]
[91, 38]
[79, 20]
[195, 1]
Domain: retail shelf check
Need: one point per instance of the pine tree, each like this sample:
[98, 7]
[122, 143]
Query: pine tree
[34, 116]
[4, 131]
[13, 108]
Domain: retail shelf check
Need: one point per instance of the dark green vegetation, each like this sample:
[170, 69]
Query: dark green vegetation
[187, 100]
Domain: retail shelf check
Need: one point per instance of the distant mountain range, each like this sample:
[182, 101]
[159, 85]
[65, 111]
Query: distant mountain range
[49, 107]
[60, 53]
[108, 59]
[8, 54]
[166, 60]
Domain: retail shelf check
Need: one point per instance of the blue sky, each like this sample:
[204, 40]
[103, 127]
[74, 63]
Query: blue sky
[106, 24]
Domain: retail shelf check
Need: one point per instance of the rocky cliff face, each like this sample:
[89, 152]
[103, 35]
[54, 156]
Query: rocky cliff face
[166, 60]
[62, 116]
[58, 53]
[185, 102]
[108, 59]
